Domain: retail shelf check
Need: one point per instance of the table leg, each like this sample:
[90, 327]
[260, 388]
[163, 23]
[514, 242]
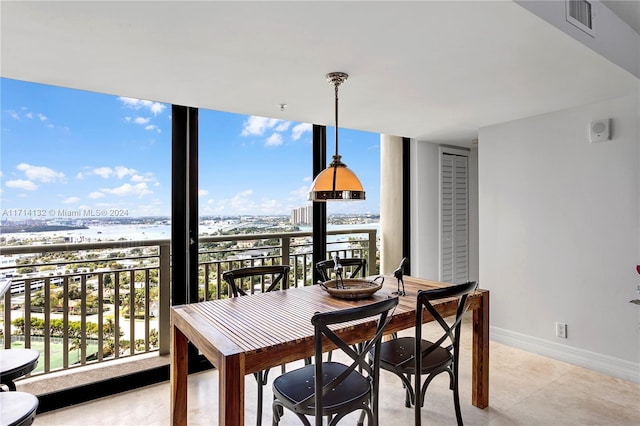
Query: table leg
[231, 393]
[480, 363]
[179, 367]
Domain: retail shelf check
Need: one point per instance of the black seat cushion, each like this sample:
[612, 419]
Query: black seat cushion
[395, 351]
[297, 385]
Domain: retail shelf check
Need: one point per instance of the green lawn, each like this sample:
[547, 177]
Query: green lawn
[56, 354]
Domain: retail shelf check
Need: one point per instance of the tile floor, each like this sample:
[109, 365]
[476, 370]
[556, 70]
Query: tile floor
[525, 389]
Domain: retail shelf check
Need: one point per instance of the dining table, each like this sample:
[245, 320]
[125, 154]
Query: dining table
[244, 335]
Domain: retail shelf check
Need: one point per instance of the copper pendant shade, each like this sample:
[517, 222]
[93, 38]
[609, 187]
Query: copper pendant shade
[337, 181]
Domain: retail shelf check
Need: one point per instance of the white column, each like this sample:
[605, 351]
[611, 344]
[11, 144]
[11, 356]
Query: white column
[390, 203]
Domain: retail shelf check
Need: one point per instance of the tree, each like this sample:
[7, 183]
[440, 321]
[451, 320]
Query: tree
[138, 301]
[18, 323]
[76, 344]
[154, 338]
[56, 327]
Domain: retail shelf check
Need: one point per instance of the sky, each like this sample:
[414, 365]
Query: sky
[64, 151]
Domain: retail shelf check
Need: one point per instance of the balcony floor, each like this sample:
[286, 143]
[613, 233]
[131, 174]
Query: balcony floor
[525, 389]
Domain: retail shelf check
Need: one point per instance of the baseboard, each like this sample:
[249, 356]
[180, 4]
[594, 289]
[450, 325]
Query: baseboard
[612, 366]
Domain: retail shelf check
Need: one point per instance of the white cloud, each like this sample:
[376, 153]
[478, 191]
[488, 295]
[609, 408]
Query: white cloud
[202, 192]
[299, 129]
[71, 200]
[80, 175]
[119, 171]
[104, 172]
[270, 206]
[122, 171]
[282, 126]
[155, 107]
[126, 190]
[299, 194]
[147, 177]
[27, 185]
[245, 193]
[136, 104]
[274, 140]
[95, 195]
[24, 111]
[307, 179]
[258, 125]
[40, 173]
[242, 203]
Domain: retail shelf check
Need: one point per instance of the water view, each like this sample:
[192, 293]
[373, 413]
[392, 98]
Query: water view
[103, 299]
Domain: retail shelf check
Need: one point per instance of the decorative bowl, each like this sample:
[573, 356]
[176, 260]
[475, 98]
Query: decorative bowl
[353, 288]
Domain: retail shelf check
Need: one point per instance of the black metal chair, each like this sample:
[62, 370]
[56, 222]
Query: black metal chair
[397, 355]
[279, 275]
[354, 265]
[343, 389]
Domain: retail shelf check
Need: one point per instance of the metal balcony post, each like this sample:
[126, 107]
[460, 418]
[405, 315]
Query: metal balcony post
[164, 296]
[285, 242]
[372, 253]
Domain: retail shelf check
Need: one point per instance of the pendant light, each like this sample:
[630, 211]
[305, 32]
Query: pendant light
[337, 181]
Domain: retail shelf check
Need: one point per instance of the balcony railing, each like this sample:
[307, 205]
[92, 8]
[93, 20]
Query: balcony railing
[88, 303]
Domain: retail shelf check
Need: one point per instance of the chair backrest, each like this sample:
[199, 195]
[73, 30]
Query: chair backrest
[324, 324]
[279, 275]
[353, 265]
[450, 331]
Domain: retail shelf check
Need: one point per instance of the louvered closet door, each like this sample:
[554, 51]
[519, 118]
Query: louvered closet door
[455, 219]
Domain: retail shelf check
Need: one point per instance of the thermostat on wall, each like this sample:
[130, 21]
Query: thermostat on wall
[599, 130]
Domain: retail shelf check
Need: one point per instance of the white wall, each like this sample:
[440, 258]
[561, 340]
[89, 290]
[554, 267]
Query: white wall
[560, 234]
[425, 210]
[425, 193]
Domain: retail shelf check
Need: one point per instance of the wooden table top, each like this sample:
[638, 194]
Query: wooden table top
[280, 322]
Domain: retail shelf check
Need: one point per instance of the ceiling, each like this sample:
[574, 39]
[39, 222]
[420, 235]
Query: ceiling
[431, 70]
[627, 10]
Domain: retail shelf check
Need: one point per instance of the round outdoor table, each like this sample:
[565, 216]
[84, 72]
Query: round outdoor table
[17, 408]
[15, 363]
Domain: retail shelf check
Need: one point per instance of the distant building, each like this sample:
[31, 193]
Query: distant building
[302, 215]
[7, 266]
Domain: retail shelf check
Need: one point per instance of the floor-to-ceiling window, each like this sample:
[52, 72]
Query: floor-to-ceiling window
[91, 169]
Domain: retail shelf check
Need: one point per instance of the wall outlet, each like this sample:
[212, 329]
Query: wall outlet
[561, 330]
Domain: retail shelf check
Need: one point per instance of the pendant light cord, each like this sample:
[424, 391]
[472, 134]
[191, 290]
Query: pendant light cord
[337, 83]
[336, 157]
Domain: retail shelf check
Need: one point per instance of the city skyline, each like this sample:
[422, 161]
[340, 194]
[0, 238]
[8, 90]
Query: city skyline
[72, 150]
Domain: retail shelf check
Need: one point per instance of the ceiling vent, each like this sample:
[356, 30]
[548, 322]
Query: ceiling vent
[580, 14]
